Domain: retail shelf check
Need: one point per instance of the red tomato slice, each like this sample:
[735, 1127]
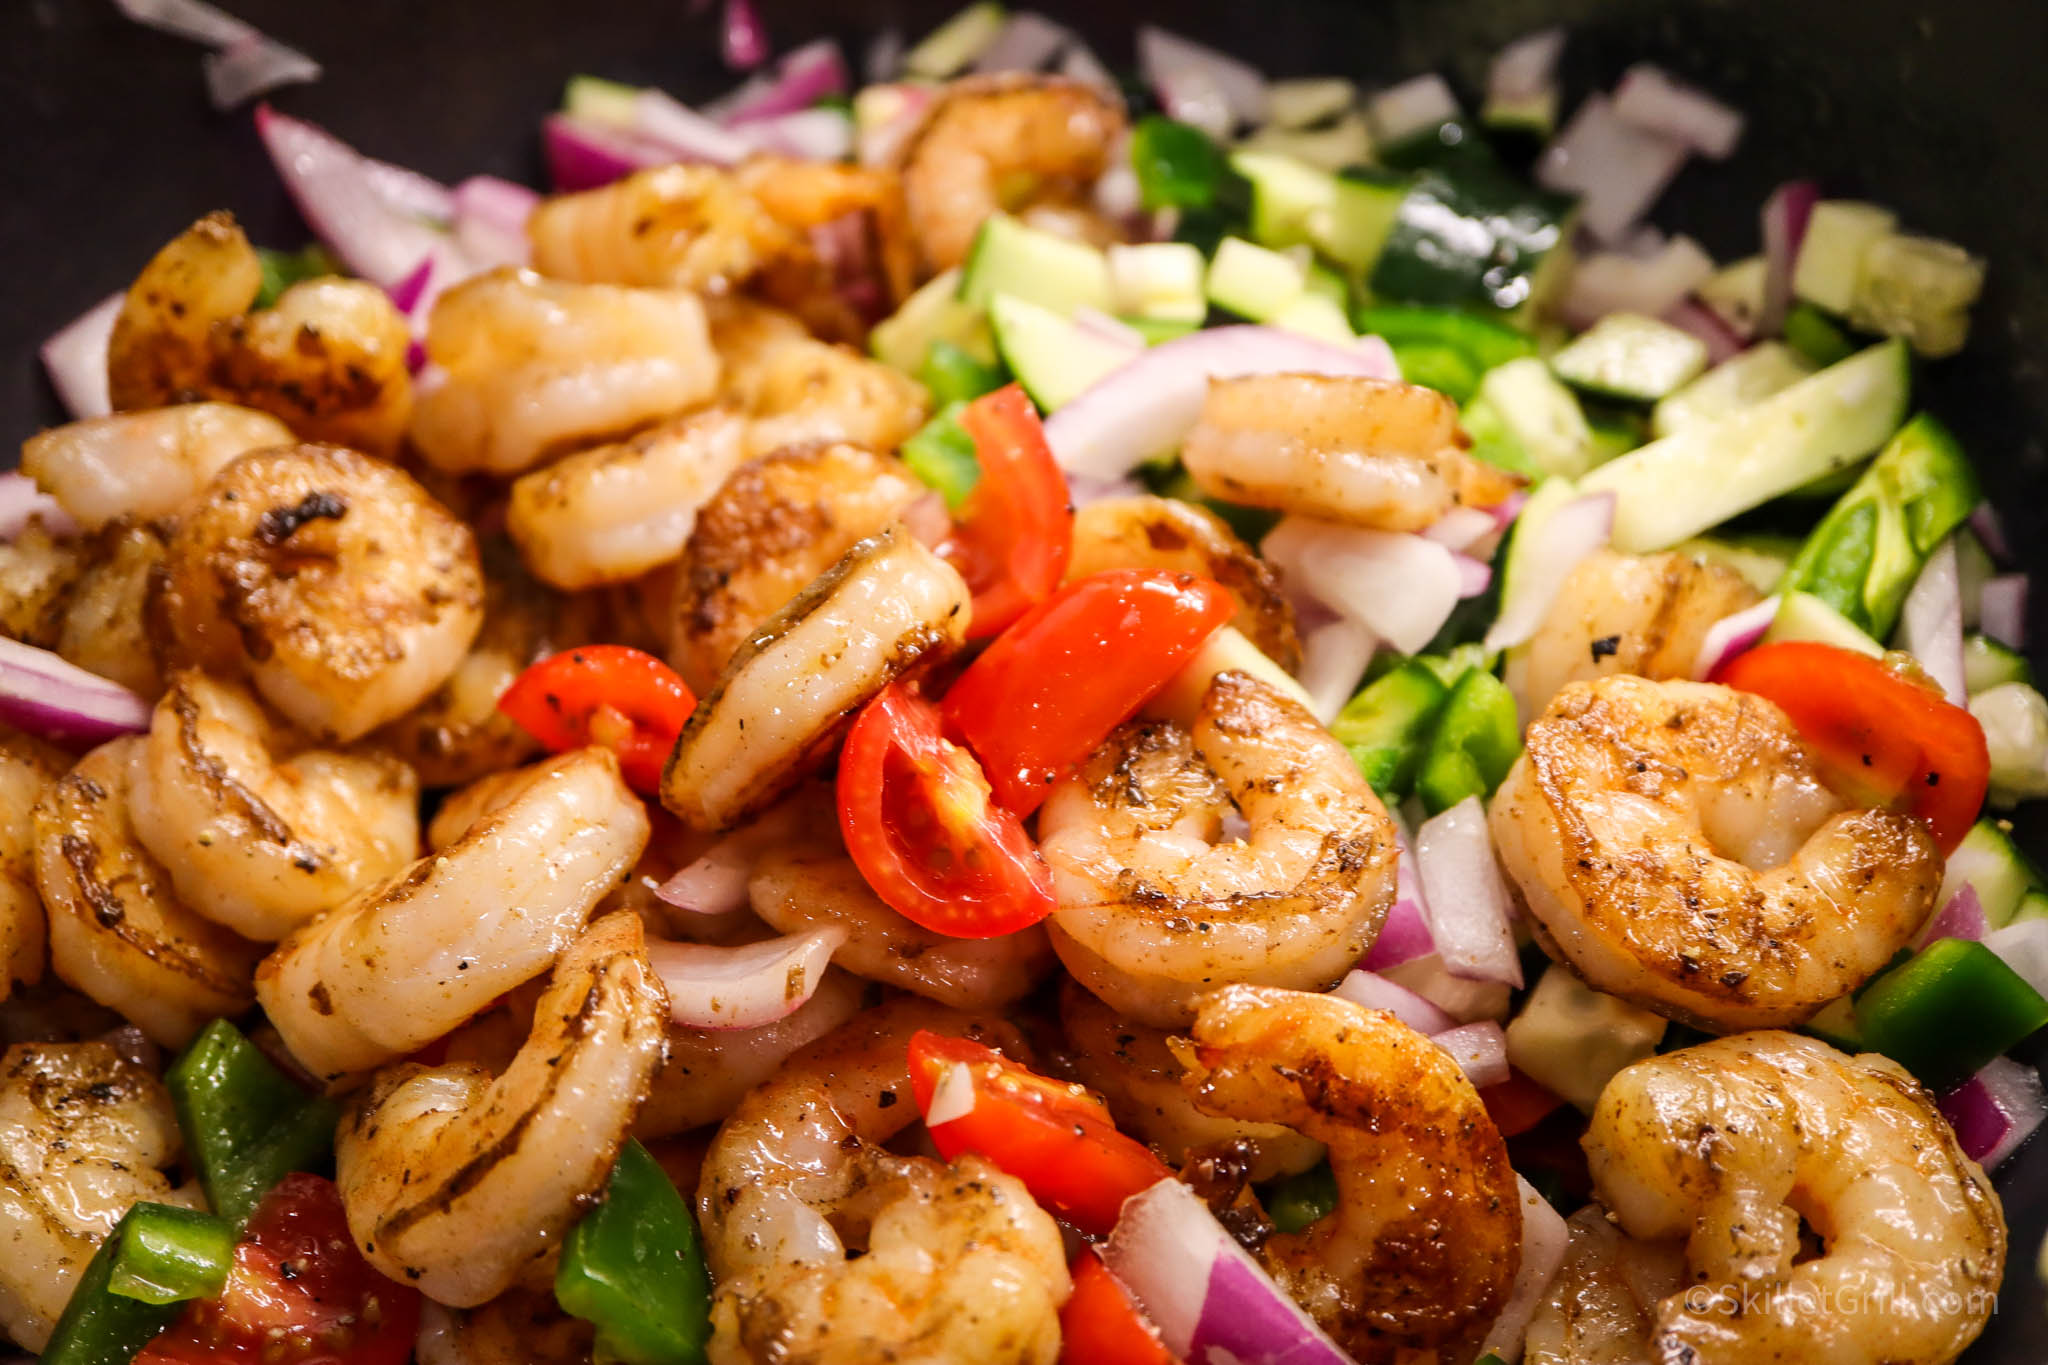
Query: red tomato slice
[628, 701]
[299, 1294]
[1886, 739]
[1056, 1138]
[1017, 527]
[919, 825]
[1518, 1104]
[1102, 1325]
[1050, 689]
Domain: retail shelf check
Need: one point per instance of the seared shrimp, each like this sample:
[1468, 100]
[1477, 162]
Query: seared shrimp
[1365, 452]
[258, 833]
[143, 465]
[673, 227]
[613, 513]
[797, 389]
[329, 358]
[409, 959]
[103, 626]
[519, 1327]
[27, 767]
[1674, 841]
[1001, 144]
[37, 569]
[1599, 1308]
[852, 260]
[1427, 1234]
[458, 1182]
[1155, 906]
[535, 368]
[118, 931]
[1736, 1144]
[1647, 615]
[952, 1265]
[888, 606]
[342, 590]
[83, 1134]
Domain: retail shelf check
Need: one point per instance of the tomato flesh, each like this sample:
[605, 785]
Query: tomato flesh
[1101, 1325]
[1518, 1104]
[624, 699]
[1016, 528]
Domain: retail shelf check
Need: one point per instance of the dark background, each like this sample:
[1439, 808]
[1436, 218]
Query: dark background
[1939, 110]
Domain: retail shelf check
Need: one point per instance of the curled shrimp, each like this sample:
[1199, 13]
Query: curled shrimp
[329, 358]
[104, 624]
[534, 368]
[83, 1135]
[27, 768]
[37, 570]
[410, 958]
[1424, 1243]
[1365, 452]
[951, 1265]
[674, 227]
[851, 260]
[333, 581]
[457, 1181]
[143, 465]
[118, 931]
[1735, 1144]
[519, 1327]
[258, 833]
[1001, 144]
[1155, 905]
[796, 389]
[1674, 842]
[1647, 615]
[1598, 1308]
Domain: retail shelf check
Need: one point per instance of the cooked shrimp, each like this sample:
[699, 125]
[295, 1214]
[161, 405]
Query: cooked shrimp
[118, 931]
[37, 570]
[888, 606]
[951, 1265]
[852, 260]
[83, 1134]
[519, 1327]
[1365, 452]
[27, 768]
[615, 512]
[797, 389]
[535, 368]
[1153, 909]
[1599, 1308]
[1675, 843]
[458, 1182]
[1427, 1233]
[342, 590]
[675, 227]
[1647, 615]
[257, 832]
[1164, 533]
[142, 465]
[1001, 144]
[103, 624]
[1737, 1143]
[409, 959]
[773, 527]
[329, 357]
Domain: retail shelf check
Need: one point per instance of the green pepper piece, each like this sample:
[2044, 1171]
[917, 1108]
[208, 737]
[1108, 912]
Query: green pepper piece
[942, 454]
[1433, 366]
[1385, 726]
[1950, 1009]
[1295, 1201]
[1469, 236]
[1814, 335]
[283, 269]
[1475, 743]
[954, 376]
[1178, 165]
[100, 1327]
[634, 1268]
[167, 1254]
[1482, 341]
[246, 1123]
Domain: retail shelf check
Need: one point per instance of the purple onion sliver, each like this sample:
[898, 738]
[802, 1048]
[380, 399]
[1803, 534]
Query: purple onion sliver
[2002, 609]
[1403, 938]
[1989, 528]
[1732, 635]
[75, 357]
[802, 78]
[743, 42]
[1027, 42]
[1697, 319]
[1962, 917]
[1474, 576]
[1480, 1048]
[21, 500]
[254, 66]
[1248, 1320]
[1996, 1110]
[582, 155]
[1650, 98]
[1784, 218]
[1374, 992]
[54, 699]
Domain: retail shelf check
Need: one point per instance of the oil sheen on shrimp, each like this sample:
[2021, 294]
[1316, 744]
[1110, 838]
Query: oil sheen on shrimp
[1738, 1144]
[674, 227]
[1156, 905]
[143, 465]
[1364, 452]
[949, 1265]
[1674, 842]
[796, 389]
[458, 1182]
[27, 767]
[104, 624]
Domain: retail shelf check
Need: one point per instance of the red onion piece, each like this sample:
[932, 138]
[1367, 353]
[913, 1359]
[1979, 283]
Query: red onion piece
[927, 520]
[742, 40]
[1334, 656]
[667, 121]
[2002, 609]
[1475, 576]
[490, 220]
[1404, 936]
[1697, 319]
[1463, 895]
[407, 293]
[1378, 993]
[54, 699]
[582, 155]
[1544, 1241]
[188, 19]
[1989, 528]
[1617, 168]
[883, 60]
[1411, 108]
[1618, 282]
[1525, 68]
[1931, 623]
[743, 987]
[1961, 917]
[1116, 331]
[408, 192]
[1784, 228]
[1574, 531]
[1461, 527]
[75, 358]
[21, 501]
[807, 134]
[1481, 1050]
[1996, 1110]
[2023, 945]
[1028, 41]
[1651, 98]
[1081, 64]
[1200, 85]
[1400, 586]
[336, 191]
[1732, 635]
[715, 884]
[812, 72]
[254, 66]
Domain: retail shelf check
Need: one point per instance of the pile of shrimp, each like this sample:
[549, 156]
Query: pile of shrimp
[320, 571]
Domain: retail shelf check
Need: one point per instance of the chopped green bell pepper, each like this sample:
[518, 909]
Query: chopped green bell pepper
[1475, 743]
[634, 1268]
[1432, 366]
[1386, 726]
[1814, 335]
[942, 454]
[1178, 165]
[955, 375]
[246, 1123]
[166, 1254]
[100, 1327]
[283, 269]
[1470, 236]
[1482, 341]
[1950, 1009]
[1295, 1201]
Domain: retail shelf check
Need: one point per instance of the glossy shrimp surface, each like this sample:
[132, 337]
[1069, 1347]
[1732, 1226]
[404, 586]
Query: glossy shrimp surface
[27, 767]
[145, 464]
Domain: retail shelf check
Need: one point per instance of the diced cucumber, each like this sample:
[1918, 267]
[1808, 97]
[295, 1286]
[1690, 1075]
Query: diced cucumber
[2015, 721]
[1491, 439]
[1332, 147]
[1253, 281]
[1305, 101]
[1616, 430]
[1974, 568]
[1364, 207]
[1988, 860]
[1917, 288]
[1739, 382]
[1541, 416]
[1052, 357]
[1055, 272]
[1735, 294]
[2033, 905]
[1802, 616]
[600, 100]
[1572, 1039]
[1157, 280]
[1470, 235]
[1631, 357]
[1987, 663]
[1288, 196]
[953, 376]
[1838, 232]
[1315, 315]
[1156, 330]
[1679, 486]
[1516, 579]
[1761, 560]
[952, 45]
[933, 313]
[1328, 284]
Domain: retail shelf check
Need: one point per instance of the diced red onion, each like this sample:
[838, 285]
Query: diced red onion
[1931, 623]
[1334, 657]
[716, 883]
[1784, 230]
[1404, 936]
[1400, 586]
[1463, 895]
[1574, 531]
[1200, 85]
[1695, 318]
[1961, 916]
[1415, 106]
[2023, 945]
[1461, 997]
[335, 190]
[409, 192]
[1081, 64]
[1375, 992]
[813, 72]
[1732, 635]
[807, 134]
[254, 66]
[1102, 326]
[408, 292]
[75, 357]
[1996, 1110]
[1525, 68]
[1461, 527]
[1545, 1238]
[1651, 98]
[21, 501]
[583, 154]
[54, 699]
[1616, 168]
[490, 220]
[662, 118]
[188, 19]
[1617, 282]
[1148, 406]
[742, 40]
[1989, 528]
[1208, 1297]
[952, 1096]
[2002, 609]
[1475, 576]
[743, 987]
[1481, 1051]
[883, 60]
[1028, 41]
[927, 520]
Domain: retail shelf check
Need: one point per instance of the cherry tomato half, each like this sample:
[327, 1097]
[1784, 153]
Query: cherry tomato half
[1518, 1104]
[1102, 1325]
[1017, 527]
[1056, 1138]
[1885, 738]
[919, 825]
[1050, 689]
[626, 700]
